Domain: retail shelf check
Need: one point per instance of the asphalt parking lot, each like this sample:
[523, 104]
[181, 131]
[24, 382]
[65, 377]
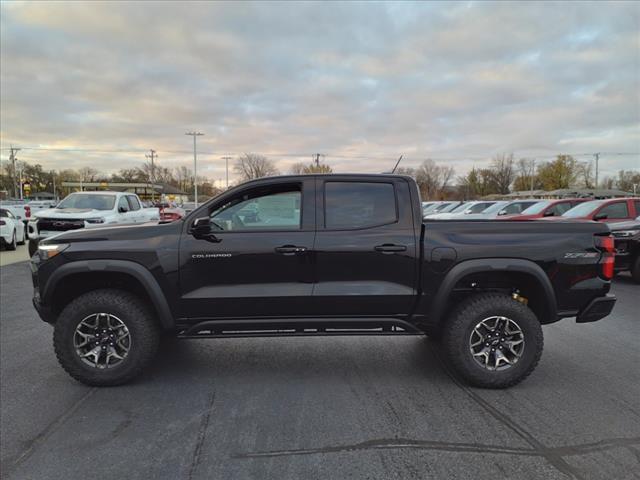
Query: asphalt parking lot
[352, 407]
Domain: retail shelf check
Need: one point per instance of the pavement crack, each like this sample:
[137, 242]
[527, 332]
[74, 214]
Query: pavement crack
[457, 447]
[395, 443]
[202, 432]
[39, 439]
[553, 458]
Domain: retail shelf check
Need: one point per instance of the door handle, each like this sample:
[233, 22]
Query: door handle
[290, 249]
[390, 248]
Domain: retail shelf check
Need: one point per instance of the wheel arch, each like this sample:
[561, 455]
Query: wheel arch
[495, 273]
[86, 275]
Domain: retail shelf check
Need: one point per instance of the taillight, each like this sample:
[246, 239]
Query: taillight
[27, 211]
[606, 244]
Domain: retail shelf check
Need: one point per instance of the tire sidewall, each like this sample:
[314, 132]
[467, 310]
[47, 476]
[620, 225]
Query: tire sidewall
[64, 332]
[465, 321]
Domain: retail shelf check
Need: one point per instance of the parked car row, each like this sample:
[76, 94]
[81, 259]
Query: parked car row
[622, 215]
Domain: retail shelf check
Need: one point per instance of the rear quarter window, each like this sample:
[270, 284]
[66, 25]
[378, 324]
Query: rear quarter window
[350, 205]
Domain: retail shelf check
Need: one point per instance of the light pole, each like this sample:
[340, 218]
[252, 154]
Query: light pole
[195, 166]
[226, 159]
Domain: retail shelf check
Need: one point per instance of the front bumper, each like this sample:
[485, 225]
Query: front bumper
[597, 309]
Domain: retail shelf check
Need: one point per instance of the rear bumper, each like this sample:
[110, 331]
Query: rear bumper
[598, 308]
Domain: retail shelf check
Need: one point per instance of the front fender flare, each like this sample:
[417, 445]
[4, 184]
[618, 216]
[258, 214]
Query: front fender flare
[494, 265]
[140, 273]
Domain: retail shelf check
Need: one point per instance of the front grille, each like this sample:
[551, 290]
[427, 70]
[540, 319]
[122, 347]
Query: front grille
[58, 225]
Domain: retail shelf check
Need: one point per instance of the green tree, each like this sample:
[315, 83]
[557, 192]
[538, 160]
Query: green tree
[559, 173]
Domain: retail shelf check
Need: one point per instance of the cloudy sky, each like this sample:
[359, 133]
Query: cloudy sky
[359, 82]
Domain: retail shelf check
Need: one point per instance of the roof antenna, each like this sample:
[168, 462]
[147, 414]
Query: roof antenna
[397, 163]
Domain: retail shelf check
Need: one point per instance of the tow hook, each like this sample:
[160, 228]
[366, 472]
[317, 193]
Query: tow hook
[518, 298]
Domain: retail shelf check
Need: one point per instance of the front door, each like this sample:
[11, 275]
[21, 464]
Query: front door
[365, 248]
[258, 259]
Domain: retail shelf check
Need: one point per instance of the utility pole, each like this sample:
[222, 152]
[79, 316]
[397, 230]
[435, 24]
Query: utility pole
[12, 158]
[195, 165]
[226, 159]
[533, 168]
[152, 155]
[53, 178]
[597, 155]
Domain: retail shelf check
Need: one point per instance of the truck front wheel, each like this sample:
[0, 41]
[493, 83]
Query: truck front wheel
[105, 337]
[492, 340]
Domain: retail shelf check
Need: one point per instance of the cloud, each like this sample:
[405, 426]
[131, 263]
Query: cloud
[360, 82]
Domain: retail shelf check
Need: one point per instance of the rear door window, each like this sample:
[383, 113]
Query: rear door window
[359, 205]
[134, 204]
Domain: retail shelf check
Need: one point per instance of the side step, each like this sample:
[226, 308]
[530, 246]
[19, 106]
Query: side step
[296, 328]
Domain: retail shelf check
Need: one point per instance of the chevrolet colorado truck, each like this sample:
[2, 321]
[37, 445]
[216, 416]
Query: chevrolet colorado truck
[320, 255]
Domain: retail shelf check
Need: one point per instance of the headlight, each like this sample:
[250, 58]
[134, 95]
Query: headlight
[626, 233]
[94, 220]
[50, 250]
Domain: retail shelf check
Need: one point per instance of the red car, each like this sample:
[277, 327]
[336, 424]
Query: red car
[611, 210]
[546, 208]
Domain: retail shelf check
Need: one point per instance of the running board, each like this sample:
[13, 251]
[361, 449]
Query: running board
[296, 328]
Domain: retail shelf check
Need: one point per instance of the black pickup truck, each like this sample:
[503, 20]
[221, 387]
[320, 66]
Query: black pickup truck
[320, 255]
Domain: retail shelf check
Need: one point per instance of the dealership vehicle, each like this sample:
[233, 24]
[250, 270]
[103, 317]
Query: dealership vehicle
[464, 208]
[37, 205]
[18, 208]
[169, 212]
[443, 207]
[89, 210]
[612, 210]
[626, 237]
[320, 255]
[501, 208]
[545, 208]
[12, 230]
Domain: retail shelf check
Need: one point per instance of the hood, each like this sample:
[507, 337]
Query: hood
[117, 233]
[64, 213]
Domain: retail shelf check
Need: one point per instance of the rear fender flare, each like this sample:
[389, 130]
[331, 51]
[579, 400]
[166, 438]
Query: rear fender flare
[492, 265]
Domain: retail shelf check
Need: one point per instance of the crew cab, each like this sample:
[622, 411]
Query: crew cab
[320, 255]
[89, 210]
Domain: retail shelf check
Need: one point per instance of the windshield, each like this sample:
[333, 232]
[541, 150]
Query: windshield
[496, 207]
[536, 208]
[480, 207]
[87, 201]
[582, 210]
[442, 206]
[460, 208]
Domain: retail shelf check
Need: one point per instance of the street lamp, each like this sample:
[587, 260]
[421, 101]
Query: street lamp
[195, 166]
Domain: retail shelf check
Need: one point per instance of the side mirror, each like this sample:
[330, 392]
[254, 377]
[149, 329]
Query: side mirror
[201, 229]
[549, 213]
[600, 216]
[502, 212]
[122, 210]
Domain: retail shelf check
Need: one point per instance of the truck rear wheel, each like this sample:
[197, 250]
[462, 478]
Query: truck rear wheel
[492, 341]
[105, 337]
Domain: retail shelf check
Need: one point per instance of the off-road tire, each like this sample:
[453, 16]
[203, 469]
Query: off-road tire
[635, 269]
[12, 244]
[456, 333]
[144, 331]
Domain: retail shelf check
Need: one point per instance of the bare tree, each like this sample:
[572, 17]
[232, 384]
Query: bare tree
[432, 179]
[88, 174]
[584, 171]
[504, 172]
[526, 174]
[251, 165]
[297, 168]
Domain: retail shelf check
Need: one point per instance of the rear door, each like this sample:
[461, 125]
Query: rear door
[365, 247]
